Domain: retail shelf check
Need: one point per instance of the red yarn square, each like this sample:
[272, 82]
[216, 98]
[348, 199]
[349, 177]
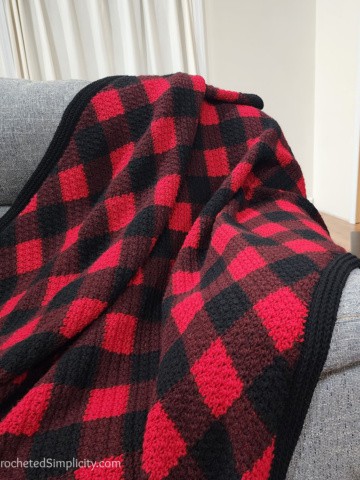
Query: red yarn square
[55, 284]
[119, 333]
[181, 217]
[10, 305]
[81, 313]
[163, 444]
[283, 315]
[107, 104]
[121, 157]
[107, 402]
[163, 134]
[185, 311]
[217, 379]
[120, 211]
[184, 281]
[28, 256]
[71, 237]
[73, 183]
[269, 229]
[166, 190]
[25, 417]
[303, 245]
[245, 262]
[155, 88]
[217, 162]
[208, 114]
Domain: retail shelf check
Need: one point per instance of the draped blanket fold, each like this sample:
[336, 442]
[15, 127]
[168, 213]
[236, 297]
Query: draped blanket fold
[167, 292]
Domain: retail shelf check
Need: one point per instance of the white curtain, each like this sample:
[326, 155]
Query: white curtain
[89, 39]
[7, 64]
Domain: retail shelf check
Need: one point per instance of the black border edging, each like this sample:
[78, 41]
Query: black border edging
[317, 338]
[56, 148]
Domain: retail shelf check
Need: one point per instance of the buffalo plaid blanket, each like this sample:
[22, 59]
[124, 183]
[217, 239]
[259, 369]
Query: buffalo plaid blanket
[167, 292]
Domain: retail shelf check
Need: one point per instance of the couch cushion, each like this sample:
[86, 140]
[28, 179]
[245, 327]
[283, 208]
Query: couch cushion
[29, 114]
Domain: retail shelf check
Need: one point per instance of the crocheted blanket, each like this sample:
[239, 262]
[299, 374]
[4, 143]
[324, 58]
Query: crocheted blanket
[167, 292]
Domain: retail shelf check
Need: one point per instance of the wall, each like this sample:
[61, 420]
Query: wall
[337, 107]
[267, 47]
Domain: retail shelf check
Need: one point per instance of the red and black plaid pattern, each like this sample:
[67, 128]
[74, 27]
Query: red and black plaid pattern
[156, 287]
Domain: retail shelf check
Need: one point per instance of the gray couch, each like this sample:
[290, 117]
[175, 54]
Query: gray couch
[329, 446]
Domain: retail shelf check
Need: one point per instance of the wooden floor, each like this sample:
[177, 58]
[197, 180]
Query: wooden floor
[340, 230]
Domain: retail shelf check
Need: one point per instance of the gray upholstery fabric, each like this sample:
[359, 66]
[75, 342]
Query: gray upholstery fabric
[29, 115]
[329, 446]
[3, 209]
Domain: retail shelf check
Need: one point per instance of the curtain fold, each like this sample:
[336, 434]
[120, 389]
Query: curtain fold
[7, 64]
[88, 39]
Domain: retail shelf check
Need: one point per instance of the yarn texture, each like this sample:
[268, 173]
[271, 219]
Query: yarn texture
[167, 292]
